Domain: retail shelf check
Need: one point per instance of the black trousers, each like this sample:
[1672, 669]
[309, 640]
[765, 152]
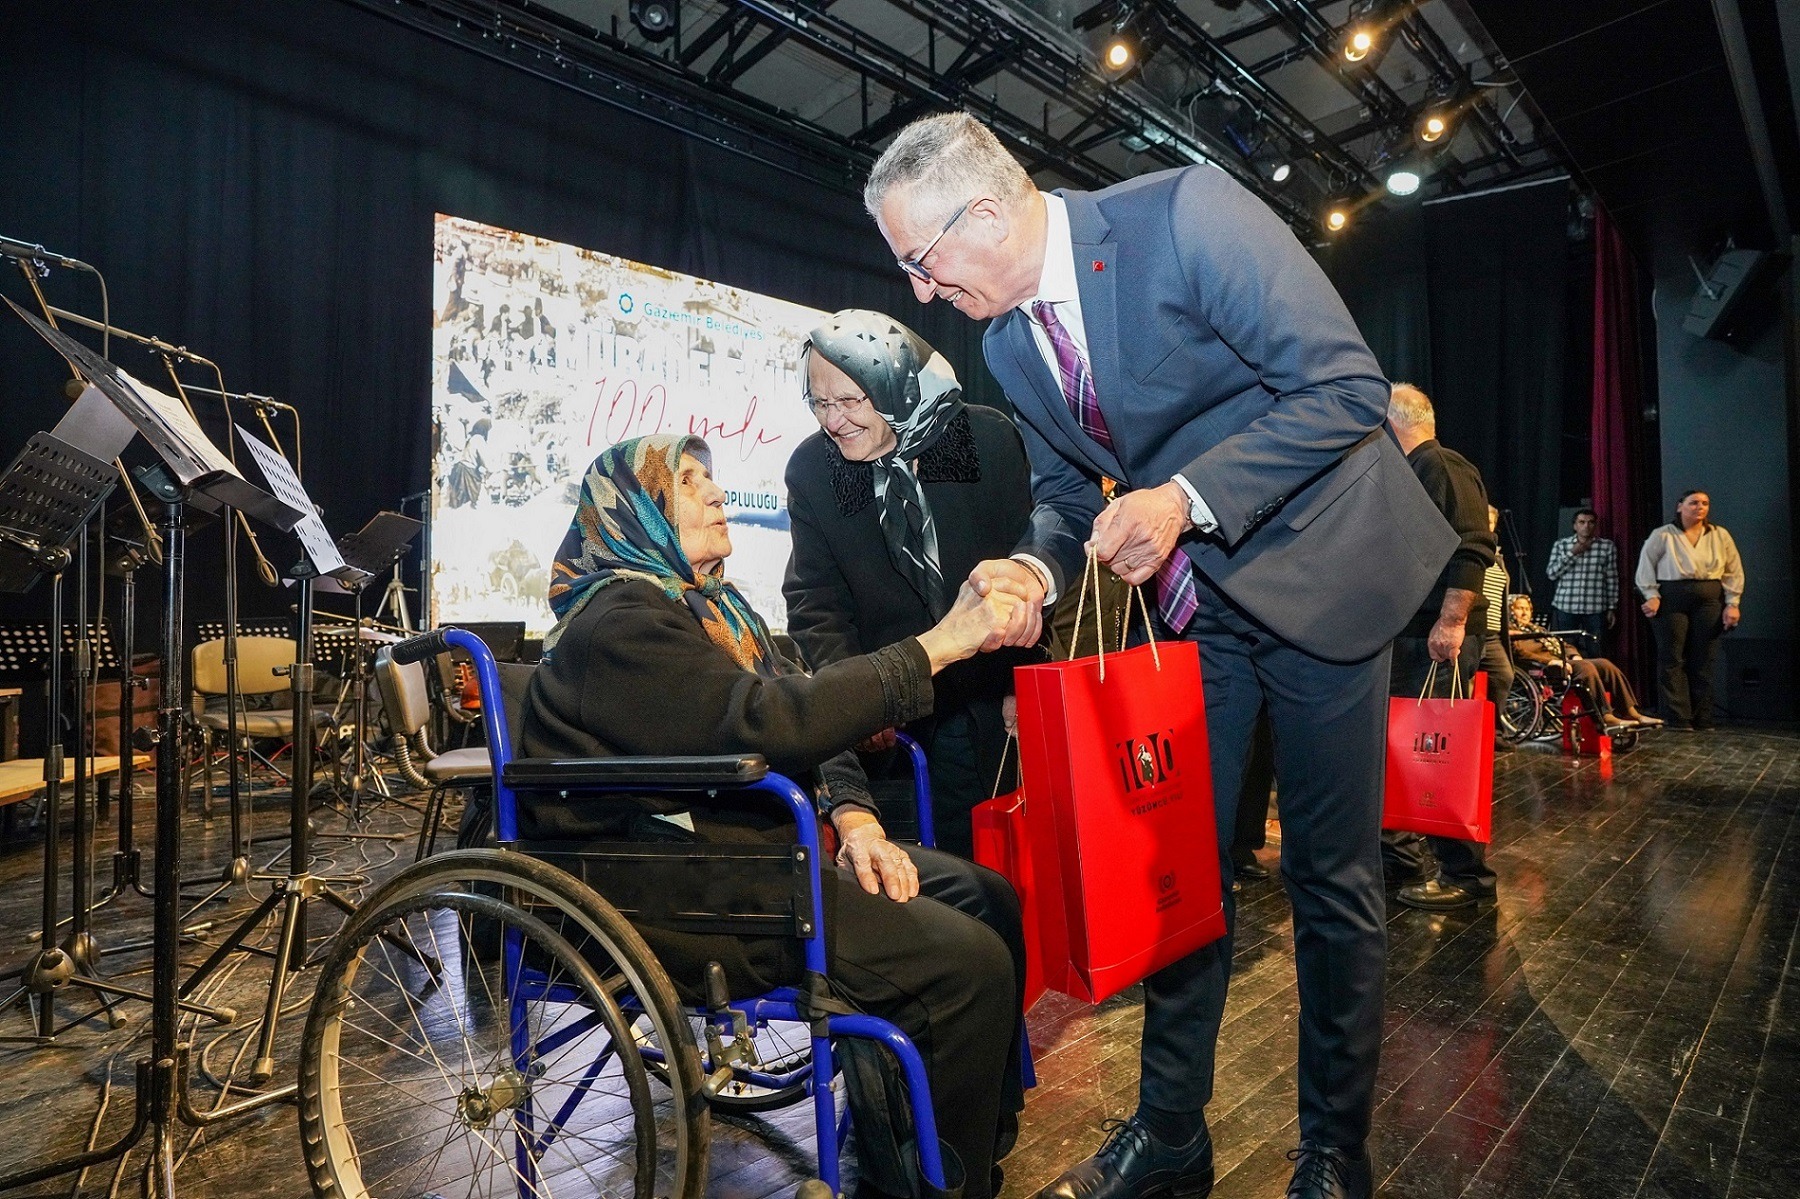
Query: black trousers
[1459, 863]
[1687, 627]
[1496, 659]
[1252, 830]
[947, 968]
[1328, 721]
[1592, 626]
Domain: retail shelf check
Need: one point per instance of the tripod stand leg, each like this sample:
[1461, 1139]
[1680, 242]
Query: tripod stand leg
[293, 926]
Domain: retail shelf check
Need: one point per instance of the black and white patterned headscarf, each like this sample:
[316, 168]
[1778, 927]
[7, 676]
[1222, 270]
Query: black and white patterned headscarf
[916, 391]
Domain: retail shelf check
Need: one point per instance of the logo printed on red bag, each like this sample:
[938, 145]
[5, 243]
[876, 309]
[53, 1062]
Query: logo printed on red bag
[1425, 801]
[1431, 745]
[1168, 894]
[1147, 761]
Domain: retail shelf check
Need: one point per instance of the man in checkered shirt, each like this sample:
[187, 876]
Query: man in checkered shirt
[1585, 569]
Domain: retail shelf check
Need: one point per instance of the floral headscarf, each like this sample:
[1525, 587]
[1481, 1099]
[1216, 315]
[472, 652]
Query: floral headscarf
[625, 527]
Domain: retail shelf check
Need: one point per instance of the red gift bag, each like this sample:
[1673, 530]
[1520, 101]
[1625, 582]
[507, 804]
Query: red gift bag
[1001, 846]
[1440, 765]
[1124, 848]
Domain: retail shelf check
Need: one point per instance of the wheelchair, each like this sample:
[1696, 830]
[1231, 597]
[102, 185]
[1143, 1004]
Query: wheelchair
[1539, 707]
[488, 1023]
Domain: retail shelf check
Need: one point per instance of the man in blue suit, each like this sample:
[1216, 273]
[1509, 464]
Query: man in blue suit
[1169, 333]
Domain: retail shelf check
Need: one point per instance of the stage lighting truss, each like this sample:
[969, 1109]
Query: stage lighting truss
[1045, 91]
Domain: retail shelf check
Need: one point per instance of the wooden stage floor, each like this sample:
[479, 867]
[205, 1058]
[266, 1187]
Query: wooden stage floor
[1624, 1022]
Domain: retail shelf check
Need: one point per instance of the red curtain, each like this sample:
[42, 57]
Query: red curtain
[1625, 488]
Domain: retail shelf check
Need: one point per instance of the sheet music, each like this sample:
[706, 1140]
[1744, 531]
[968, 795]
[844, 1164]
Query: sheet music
[94, 425]
[321, 551]
[175, 414]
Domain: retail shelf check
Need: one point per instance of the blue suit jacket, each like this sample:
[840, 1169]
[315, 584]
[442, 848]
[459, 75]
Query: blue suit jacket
[1221, 352]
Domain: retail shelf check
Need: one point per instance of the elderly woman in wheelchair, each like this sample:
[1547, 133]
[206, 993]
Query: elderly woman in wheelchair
[524, 1020]
[1601, 685]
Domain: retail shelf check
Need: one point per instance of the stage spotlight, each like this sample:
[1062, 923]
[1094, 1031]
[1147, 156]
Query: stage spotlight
[1365, 32]
[657, 20]
[1337, 215]
[1272, 164]
[1120, 53]
[1403, 180]
[1133, 32]
[1433, 126]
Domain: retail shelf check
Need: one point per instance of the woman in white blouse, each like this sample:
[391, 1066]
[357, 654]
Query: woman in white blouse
[1691, 579]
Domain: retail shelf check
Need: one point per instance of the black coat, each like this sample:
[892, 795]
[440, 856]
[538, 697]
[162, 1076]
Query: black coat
[845, 597]
[634, 674]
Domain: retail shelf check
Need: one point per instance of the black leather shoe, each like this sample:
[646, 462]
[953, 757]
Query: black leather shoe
[1248, 869]
[1321, 1172]
[1132, 1164]
[1435, 896]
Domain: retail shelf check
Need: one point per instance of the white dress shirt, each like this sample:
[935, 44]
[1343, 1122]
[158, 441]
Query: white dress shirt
[1058, 288]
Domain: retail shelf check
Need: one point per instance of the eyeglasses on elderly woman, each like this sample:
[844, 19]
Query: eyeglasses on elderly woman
[822, 407]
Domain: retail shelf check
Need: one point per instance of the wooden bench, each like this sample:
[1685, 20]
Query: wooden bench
[24, 777]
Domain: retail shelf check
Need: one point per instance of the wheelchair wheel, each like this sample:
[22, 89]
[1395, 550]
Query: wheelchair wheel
[1522, 715]
[479, 1030]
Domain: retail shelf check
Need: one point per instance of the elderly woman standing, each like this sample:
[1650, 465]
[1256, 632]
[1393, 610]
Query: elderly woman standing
[654, 653]
[896, 498]
[1692, 580]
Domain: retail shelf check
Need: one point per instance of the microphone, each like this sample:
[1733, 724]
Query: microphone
[27, 252]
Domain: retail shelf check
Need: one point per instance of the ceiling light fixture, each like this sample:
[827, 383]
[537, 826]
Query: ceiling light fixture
[1120, 54]
[1365, 34]
[657, 20]
[1133, 32]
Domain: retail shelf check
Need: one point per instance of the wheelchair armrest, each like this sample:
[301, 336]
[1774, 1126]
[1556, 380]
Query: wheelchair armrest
[555, 774]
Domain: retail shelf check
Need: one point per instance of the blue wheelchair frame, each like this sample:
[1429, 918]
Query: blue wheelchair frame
[784, 1003]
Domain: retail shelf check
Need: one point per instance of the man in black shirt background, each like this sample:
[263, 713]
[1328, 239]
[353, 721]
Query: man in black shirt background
[1447, 629]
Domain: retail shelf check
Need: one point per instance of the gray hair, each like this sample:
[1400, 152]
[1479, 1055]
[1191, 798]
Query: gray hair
[1410, 408]
[949, 159]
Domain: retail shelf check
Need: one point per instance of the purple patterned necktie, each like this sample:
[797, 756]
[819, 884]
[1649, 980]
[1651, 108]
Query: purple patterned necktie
[1077, 381]
[1177, 594]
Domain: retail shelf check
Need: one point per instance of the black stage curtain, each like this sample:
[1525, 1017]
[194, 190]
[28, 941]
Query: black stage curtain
[1469, 300]
[258, 183]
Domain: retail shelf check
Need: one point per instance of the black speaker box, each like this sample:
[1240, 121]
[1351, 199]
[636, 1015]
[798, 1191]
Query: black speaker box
[1721, 300]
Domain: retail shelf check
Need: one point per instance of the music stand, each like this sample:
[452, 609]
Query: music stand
[47, 496]
[192, 471]
[320, 557]
[369, 551]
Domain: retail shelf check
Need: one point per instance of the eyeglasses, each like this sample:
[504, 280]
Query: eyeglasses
[824, 408]
[916, 266]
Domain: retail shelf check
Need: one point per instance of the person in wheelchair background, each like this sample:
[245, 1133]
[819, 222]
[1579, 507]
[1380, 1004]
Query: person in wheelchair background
[655, 653]
[1601, 684]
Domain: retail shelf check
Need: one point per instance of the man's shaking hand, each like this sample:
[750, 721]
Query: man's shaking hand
[1012, 577]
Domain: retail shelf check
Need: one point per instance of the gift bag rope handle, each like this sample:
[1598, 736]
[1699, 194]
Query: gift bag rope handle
[1092, 571]
[1457, 689]
[1012, 739]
